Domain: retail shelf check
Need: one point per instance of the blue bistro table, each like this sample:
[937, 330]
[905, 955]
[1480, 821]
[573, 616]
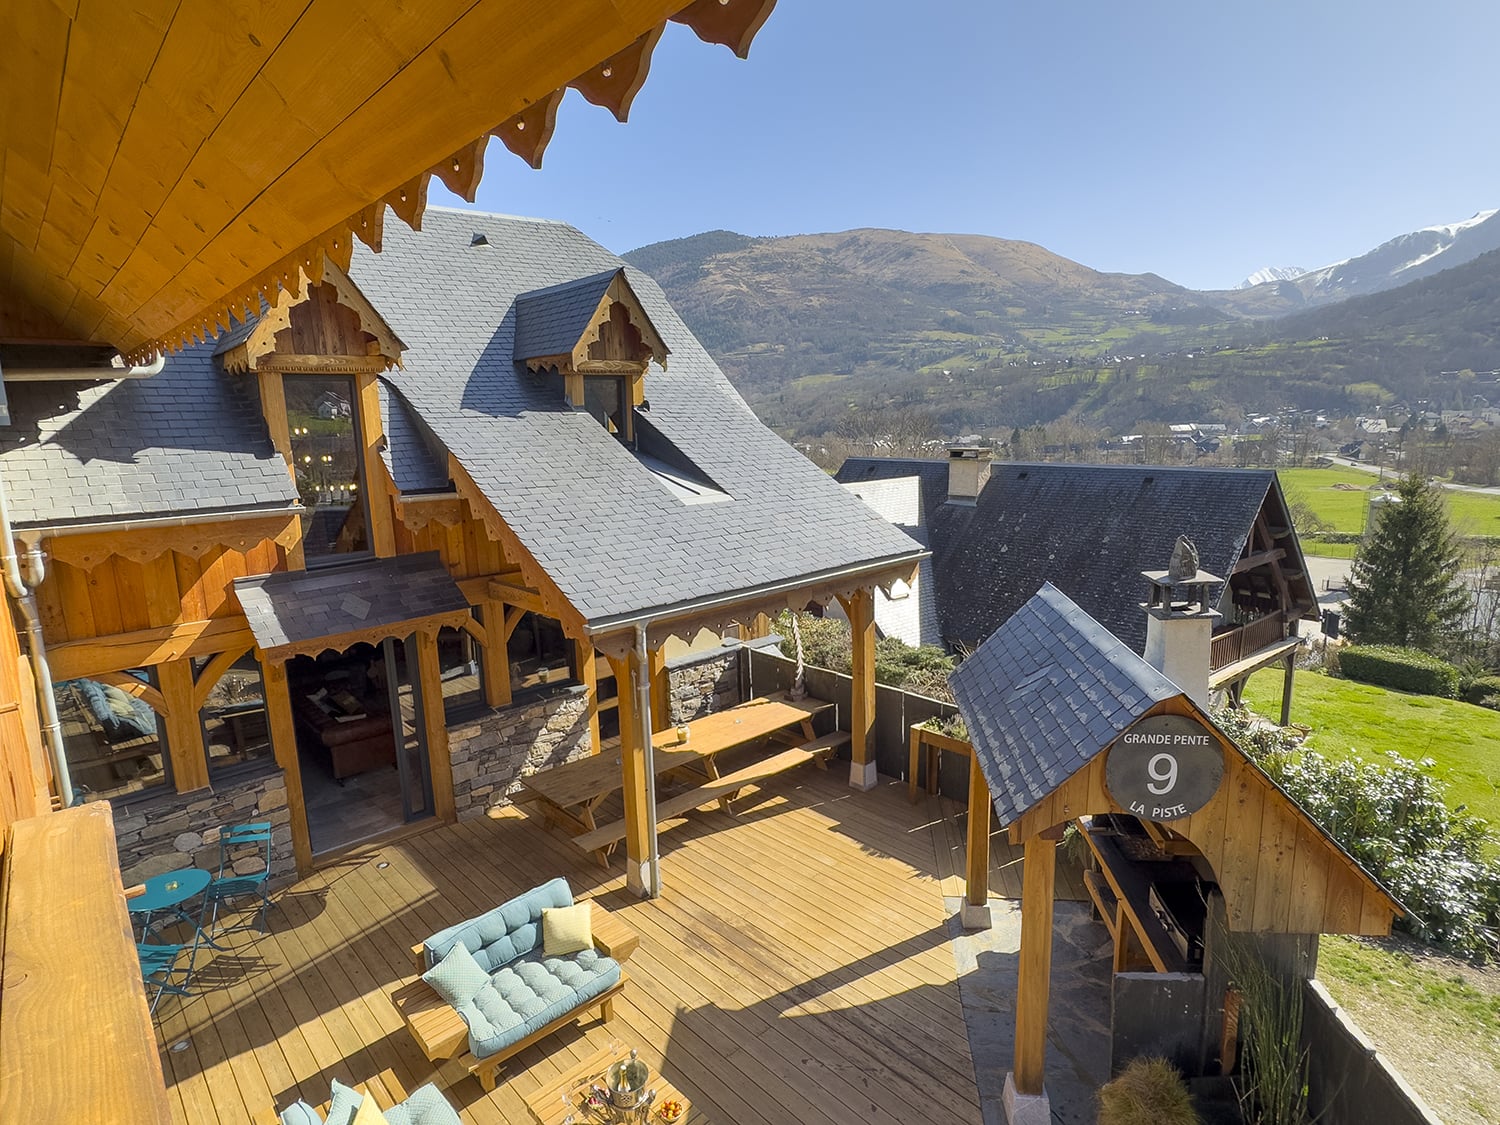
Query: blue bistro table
[167, 893]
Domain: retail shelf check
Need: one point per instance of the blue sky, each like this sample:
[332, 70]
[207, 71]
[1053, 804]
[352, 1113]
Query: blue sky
[1196, 139]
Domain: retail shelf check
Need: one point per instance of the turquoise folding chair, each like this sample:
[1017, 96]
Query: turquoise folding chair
[227, 886]
[159, 969]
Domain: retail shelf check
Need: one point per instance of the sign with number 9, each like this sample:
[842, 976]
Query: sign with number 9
[1165, 767]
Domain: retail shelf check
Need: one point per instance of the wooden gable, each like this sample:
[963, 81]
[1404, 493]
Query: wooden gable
[324, 326]
[616, 338]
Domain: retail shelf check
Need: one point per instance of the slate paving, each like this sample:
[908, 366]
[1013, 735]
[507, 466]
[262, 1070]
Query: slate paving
[1078, 1015]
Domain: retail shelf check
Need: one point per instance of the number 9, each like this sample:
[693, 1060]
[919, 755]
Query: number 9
[1162, 768]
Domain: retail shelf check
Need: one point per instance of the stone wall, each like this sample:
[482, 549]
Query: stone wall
[492, 752]
[705, 681]
[178, 830]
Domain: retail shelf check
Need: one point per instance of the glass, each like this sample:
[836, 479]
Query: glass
[540, 654]
[459, 669]
[112, 738]
[235, 728]
[327, 461]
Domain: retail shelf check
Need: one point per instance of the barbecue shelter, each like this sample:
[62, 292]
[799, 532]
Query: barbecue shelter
[1070, 726]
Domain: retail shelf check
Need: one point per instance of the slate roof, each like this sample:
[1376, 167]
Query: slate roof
[188, 440]
[1048, 691]
[412, 455]
[550, 321]
[296, 607]
[1089, 529]
[616, 540]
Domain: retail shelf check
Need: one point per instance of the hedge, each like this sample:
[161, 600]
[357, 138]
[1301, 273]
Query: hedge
[1485, 692]
[1405, 669]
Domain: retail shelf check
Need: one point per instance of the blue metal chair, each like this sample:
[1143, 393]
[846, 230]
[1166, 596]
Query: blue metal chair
[159, 969]
[227, 886]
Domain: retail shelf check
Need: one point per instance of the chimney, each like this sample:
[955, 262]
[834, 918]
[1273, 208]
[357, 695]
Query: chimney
[968, 470]
[1180, 621]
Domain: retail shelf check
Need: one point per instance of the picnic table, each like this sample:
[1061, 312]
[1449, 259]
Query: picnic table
[568, 795]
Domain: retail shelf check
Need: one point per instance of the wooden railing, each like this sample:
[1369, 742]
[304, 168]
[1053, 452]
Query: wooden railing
[1238, 643]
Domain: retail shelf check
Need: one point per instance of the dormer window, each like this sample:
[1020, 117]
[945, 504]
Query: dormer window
[594, 336]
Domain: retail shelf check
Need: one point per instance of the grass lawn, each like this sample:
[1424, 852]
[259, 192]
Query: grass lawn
[1347, 717]
[1437, 1020]
[1345, 509]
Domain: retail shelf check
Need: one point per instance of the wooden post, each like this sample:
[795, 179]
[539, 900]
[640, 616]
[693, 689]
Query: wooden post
[661, 691]
[496, 663]
[284, 742]
[184, 732]
[860, 607]
[1035, 965]
[439, 764]
[633, 773]
[377, 502]
[976, 910]
[588, 673]
[1286, 687]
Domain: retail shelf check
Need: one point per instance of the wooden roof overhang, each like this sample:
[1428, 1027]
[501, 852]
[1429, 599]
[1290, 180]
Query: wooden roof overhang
[166, 166]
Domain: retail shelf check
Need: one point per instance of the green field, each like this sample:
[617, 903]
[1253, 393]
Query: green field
[1344, 509]
[1346, 717]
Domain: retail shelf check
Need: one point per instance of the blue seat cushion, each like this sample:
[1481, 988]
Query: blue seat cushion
[344, 1103]
[512, 929]
[530, 993]
[426, 1106]
[300, 1113]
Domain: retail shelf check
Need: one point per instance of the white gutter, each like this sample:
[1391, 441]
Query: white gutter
[67, 374]
[651, 876]
[22, 588]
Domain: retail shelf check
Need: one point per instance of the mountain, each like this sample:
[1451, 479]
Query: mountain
[1271, 273]
[1407, 258]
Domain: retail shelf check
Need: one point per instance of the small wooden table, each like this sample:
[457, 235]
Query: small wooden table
[546, 1103]
[568, 794]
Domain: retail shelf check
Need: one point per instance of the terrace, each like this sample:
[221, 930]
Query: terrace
[797, 967]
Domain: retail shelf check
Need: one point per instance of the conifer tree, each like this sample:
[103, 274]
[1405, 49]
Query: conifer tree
[1404, 588]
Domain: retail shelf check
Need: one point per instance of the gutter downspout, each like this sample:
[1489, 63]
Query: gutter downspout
[652, 881]
[16, 374]
[22, 588]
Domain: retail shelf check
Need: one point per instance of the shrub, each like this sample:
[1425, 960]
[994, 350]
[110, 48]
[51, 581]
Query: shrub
[1147, 1092]
[1484, 691]
[1437, 862]
[826, 644]
[1405, 669]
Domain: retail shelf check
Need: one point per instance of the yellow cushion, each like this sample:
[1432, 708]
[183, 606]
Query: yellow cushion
[567, 929]
[369, 1113]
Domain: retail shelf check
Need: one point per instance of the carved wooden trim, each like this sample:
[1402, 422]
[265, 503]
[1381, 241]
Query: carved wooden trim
[338, 642]
[615, 82]
[88, 550]
[213, 672]
[528, 133]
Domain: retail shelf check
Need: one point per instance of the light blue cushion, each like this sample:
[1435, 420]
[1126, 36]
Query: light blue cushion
[300, 1113]
[512, 929]
[457, 977]
[530, 993]
[344, 1104]
[426, 1106]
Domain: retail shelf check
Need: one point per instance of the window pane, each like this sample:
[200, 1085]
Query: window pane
[235, 729]
[112, 739]
[540, 653]
[458, 661]
[604, 398]
[329, 468]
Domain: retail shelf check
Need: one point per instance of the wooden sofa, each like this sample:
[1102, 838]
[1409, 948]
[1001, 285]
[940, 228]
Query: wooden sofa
[441, 1033]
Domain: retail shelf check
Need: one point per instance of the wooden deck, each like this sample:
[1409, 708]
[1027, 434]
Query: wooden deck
[797, 967]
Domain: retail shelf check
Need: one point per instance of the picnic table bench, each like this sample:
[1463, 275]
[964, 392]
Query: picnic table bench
[567, 795]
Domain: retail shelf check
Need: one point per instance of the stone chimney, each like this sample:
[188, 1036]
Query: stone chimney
[1180, 621]
[968, 470]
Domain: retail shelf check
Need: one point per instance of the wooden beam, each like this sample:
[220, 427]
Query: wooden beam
[273, 409]
[860, 609]
[1034, 964]
[588, 673]
[184, 731]
[511, 594]
[439, 761]
[1286, 687]
[477, 631]
[143, 648]
[89, 549]
[132, 686]
[633, 770]
[284, 742]
[495, 665]
[661, 690]
[1258, 558]
[213, 672]
[371, 434]
[977, 872]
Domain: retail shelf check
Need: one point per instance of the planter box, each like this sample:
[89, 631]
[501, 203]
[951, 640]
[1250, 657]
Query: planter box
[932, 743]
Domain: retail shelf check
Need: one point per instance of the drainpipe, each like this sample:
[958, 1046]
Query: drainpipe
[643, 708]
[22, 374]
[22, 588]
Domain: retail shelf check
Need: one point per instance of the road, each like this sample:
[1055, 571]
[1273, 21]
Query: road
[1376, 470]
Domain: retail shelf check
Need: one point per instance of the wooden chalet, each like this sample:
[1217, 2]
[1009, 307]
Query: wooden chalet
[998, 531]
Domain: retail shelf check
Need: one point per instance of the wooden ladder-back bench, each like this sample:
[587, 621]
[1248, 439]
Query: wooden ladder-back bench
[442, 1034]
[724, 788]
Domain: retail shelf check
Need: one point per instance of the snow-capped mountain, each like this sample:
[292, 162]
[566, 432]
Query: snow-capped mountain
[1408, 257]
[1271, 273]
